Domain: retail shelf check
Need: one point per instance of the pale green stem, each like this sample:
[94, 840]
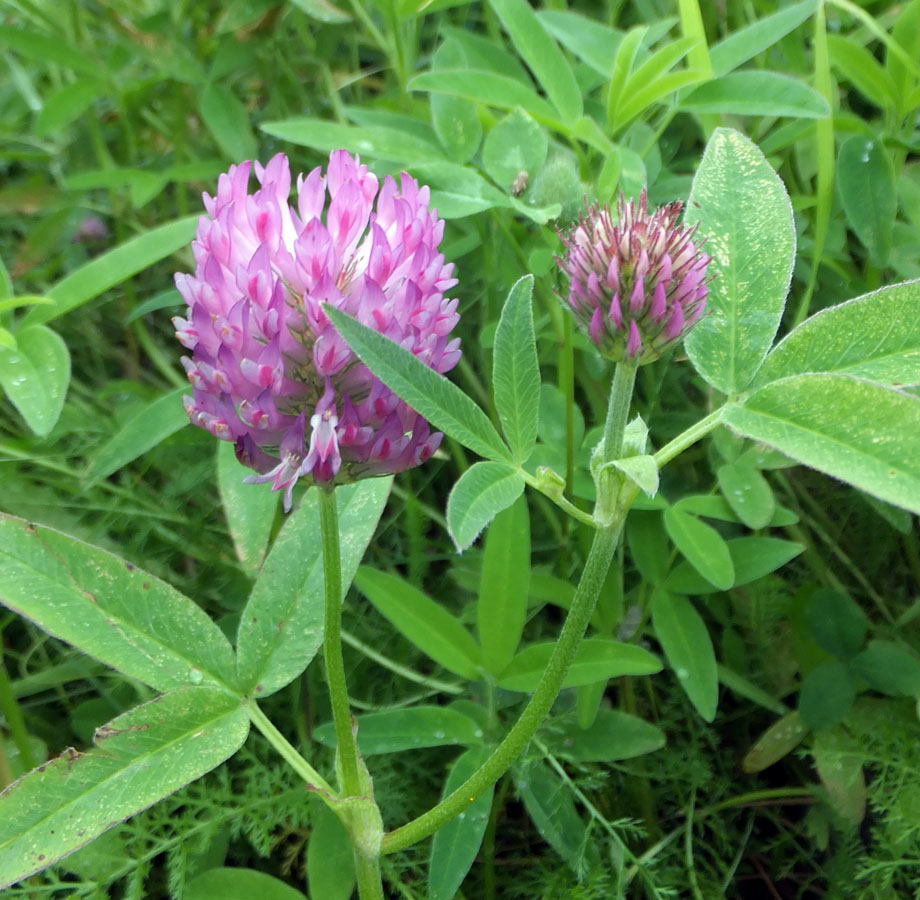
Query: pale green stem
[687, 438]
[286, 750]
[621, 391]
[332, 645]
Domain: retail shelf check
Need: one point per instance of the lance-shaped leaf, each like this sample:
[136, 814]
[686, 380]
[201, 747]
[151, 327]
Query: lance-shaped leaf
[110, 609]
[516, 372]
[858, 431]
[876, 337]
[745, 217]
[282, 625]
[483, 491]
[139, 758]
[428, 393]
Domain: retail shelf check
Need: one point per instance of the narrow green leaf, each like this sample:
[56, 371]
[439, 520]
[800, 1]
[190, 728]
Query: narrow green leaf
[857, 431]
[597, 659]
[591, 41]
[481, 493]
[250, 509]
[228, 122]
[456, 844]
[648, 544]
[35, 374]
[614, 735]
[748, 494]
[113, 267]
[745, 216]
[875, 336]
[542, 55]
[516, 371]
[429, 626]
[642, 470]
[858, 66]
[756, 93]
[623, 64]
[281, 627]
[323, 11]
[779, 740]
[702, 546]
[330, 859]
[109, 609]
[138, 758]
[396, 730]
[430, 394]
[67, 104]
[44, 48]
[458, 191]
[685, 640]
[865, 183]
[455, 119]
[485, 87]
[752, 558]
[760, 35]
[142, 432]
[378, 141]
[643, 94]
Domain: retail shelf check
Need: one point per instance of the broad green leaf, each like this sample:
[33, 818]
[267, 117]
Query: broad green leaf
[44, 48]
[281, 627]
[379, 142]
[865, 183]
[487, 55]
[228, 122]
[513, 145]
[455, 119]
[330, 860]
[481, 493]
[142, 432]
[779, 740]
[429, 626]
[836, 623]
[591, 41]
[113, 267]
[503, 587]
[752, 558]
[138, 758]
[67, 104]
[702, 546]
[760, 35]
[458, 191]
[889, 668]
[745, 217]
[456, 844]
[748, 494]
[250, 509]
[648, 544]
[597, 659]
[862, 70]
[430, 394]
[542, 55]
[110, 609]
[396, 730]
[857, 431]
[549, 803]
[35, 375]
[614, 735]
[827, 694]
[240, 884]
[756, 93]
[485, 87]
[875, 336]
[685, 640]
[516, 371]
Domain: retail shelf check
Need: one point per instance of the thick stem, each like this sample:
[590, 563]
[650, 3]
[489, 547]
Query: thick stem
[621, 391]
[367, 874]
[592, 580]
[332, 645]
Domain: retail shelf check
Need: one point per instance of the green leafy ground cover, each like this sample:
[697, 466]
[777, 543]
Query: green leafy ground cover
[742, 719]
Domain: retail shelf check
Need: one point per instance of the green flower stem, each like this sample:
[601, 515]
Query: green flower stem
[332, 646]
[367, 874]
[13, 715]
[621, 391]
[592, 580]
[689, 437]
[286, 750]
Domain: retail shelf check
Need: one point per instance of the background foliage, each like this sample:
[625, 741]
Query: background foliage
[777, 754]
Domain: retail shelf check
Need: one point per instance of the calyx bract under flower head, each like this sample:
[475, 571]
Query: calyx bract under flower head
[269, 370]
[637, 286]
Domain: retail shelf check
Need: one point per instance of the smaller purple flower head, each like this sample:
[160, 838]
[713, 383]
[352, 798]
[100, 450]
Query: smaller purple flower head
[638, 286]
[269, 370]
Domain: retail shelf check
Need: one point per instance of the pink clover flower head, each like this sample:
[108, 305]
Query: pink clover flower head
[270, 372]
[638, 286]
